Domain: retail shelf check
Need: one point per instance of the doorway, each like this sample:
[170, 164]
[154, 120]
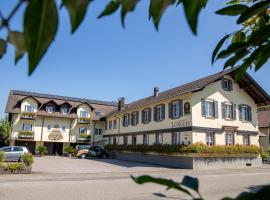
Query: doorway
[54, 148]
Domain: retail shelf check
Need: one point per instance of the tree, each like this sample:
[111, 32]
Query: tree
[249, 46]
[4, 132]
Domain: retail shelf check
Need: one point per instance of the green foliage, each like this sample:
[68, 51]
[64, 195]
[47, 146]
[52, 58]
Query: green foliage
[16, 38]
[232, 10]
[3, 47]
[70, 150]
[15, 167]
[41, 150]
[84, 135]
[190, 185]
[2, 156]
[110, 8]
[5, 130]
[40, 27]
[264, 155]
[84, 120]
[28, 159]
[197, 148]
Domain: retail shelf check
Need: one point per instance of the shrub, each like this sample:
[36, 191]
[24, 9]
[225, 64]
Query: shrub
[264, 155]
[41, 150]
[14, 167]
[28, 159]
[70, 150]
[2, 156]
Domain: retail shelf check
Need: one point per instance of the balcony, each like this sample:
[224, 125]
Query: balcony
[28, 115]
[26, 135]
[84, 137]
[84, 120]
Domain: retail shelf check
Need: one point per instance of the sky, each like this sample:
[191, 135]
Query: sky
[103, 61]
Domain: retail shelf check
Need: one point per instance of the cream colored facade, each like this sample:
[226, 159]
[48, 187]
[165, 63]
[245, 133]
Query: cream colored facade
[193, 127]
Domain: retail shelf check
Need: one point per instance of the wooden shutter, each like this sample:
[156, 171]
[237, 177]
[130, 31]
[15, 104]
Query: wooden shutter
[137, 116]
[203, 107]
[155, 113]
[181, 108]
[106, 125]
[143, 119]
[234, 111]
[216, 109]
[249, 114]
[222, 84]
[163, 111]
[170, 110]
[240, 112]
[230, 85]
[150, 114]
[223, 110]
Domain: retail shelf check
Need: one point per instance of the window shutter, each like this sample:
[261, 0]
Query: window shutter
[143, 119]
[106, 125]
[240, 112]
[181, 112]
[129, 119]
[222, 84]
[249, 114]
[216, 109]
[170, 110]
[203, 107]
[150, 115]
[223, 110]
[163, 111]
[230, 85]
[137, 115]
[234, 111]
[155, 113]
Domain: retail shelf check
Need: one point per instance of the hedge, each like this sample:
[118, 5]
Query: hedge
[197, 148]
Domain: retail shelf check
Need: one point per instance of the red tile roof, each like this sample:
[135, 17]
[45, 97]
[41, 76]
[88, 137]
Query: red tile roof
[264, 119]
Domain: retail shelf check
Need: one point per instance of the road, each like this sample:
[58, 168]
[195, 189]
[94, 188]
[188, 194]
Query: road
[111, 180]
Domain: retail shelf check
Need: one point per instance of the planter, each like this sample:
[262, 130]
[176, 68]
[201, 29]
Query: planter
[26, 170]
[191, 161]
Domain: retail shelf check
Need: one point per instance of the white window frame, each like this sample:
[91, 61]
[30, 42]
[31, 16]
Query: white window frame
[226, 83]
[159, 138]
[210, 139]
[84, 113]
[50, 109]
[209, 104]
[228, 110]
[176, 109]
[229, 140]
[64, 110]
[146, 115]
[159, 113]
[29, 108]
[29, 127]
[145, 139]
[246, 139]
[176, 138]
[244, 115]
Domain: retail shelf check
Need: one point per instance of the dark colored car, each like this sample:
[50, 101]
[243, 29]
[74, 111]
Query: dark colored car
[95, 152]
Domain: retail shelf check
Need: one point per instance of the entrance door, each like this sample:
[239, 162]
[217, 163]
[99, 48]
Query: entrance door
[54, 148]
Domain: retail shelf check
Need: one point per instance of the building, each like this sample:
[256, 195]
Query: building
[214, 110]
[264, 127]
[55, 121]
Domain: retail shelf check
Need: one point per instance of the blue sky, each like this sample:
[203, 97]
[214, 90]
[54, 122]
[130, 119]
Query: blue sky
[103, 61]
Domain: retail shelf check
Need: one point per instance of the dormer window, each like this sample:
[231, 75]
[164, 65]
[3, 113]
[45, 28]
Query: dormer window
[50, 109]
[29, 108]
[64, 110]
[83, 113]
[227, 84]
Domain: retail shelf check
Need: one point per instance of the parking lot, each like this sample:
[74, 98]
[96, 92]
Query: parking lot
[61, 178]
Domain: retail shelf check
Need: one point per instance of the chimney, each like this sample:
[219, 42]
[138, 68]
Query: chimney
[156, 91]
[121, 103]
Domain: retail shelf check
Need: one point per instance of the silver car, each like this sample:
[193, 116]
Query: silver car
[14, 153]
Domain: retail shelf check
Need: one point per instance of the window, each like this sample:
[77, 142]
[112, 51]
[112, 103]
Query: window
[146, 116]
[125, 140]
[134, 118]
[245, 113]
[15, 149]
[210, 139]
[229, 138]
[159, 138]
[28, 108]
[110, 140]
[98, 114]
[50, 109]
[110, 125]
[126, 120]
[227, 84]
[114, 141]
[83, 130]
[209, 108]
[63, 129]
[6, 149]
[246, 140]
[115, 124]
[27, 127]
[159, 113]
[145, 139]
[64, 110]
[175, 109]
[175, 138]
[134, 140]
[49, 127]
[227, 110]
[187, 108]
[98, 131]
[83, 113]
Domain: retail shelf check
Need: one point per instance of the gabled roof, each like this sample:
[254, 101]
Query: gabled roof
[264, 119]
[246, 82]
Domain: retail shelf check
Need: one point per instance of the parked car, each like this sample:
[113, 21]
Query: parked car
[14, 153]
[94, 151]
